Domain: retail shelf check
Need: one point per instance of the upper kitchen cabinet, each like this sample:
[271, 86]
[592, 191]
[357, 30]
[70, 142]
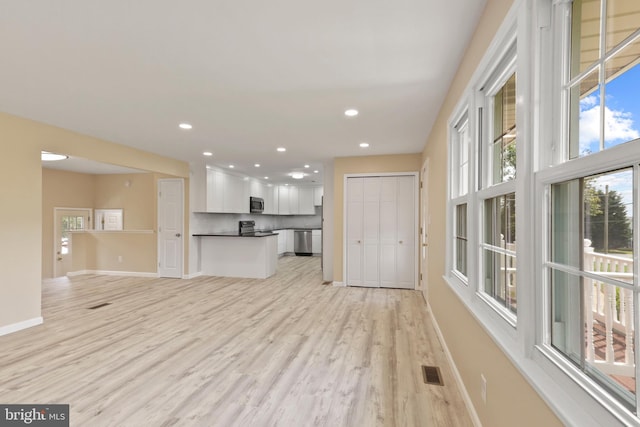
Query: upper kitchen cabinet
[318, 192]
[305, 201]
[257, 188]
[283, 200]
[215, 190]
[227, 192]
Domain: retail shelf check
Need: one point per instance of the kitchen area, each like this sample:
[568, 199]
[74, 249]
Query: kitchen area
[241, 225]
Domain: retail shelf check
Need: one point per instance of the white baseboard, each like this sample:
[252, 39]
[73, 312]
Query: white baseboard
[15, 327]
[463, 390]
[113, 273]
[340, 284]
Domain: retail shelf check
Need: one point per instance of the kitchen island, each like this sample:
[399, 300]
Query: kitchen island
[231, 254]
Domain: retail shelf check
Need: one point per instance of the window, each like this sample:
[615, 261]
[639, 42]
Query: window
[460, 146]
[498, 197]
[499, 250]
[592, 200]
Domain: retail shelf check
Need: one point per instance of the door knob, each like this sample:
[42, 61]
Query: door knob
[178, 234]
[59, 258]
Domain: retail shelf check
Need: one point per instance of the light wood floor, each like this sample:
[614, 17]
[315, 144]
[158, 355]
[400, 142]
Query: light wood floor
[286, 351]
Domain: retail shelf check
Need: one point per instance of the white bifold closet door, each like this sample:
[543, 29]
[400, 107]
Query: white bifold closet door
[381, 231]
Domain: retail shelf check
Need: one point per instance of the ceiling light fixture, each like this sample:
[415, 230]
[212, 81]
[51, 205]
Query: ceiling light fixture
[364, 144]
[45, 156]
[231, 166]
[266, 177]
[257, 165]
[297, 175]
[316, 171]
[351, 112]
[185, 126]
[207, 153]
[306, 166]
[281, 149]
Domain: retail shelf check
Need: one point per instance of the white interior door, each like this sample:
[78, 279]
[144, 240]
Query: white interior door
[388, 232]
[406, 233]
[67, 221]
[381, 231]
[355, 210]
[371, 232]
[170, 227]
[424, 227]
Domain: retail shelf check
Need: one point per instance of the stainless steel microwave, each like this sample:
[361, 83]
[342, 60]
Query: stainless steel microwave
[256, 204]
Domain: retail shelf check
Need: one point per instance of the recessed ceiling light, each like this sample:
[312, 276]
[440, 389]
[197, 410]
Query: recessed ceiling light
[297, 175]
[364, 144]
[207, 153]
[45, 156]
[281, 149]
[306, 166]
[351, 112]
[266, 177]
[316, 171]
[257, 165]
[231, 166]
[185, 126]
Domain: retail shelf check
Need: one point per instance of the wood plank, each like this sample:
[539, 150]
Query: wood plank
[219, 351]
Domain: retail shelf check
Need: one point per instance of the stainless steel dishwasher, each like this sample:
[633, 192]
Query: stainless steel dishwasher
[302, 242]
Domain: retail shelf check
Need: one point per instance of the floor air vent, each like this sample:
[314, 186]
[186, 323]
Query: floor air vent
[431, 375]
[104, 304]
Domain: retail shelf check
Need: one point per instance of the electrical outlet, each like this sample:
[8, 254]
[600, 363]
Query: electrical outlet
[119, 258]
[483, 388]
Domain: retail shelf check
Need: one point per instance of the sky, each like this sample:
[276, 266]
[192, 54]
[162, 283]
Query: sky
[622, 124]
[622, 113]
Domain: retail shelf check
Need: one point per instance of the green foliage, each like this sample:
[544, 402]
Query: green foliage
[619, 225]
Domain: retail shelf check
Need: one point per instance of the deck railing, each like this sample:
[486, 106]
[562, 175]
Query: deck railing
[610, 313]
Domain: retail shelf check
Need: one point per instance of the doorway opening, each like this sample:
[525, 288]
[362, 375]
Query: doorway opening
[66, 222]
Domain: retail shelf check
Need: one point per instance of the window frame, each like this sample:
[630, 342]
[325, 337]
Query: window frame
[455, 198]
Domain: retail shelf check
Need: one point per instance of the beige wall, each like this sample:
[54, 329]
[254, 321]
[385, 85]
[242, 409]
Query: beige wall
[510, 399]
[134, 193]
[21, 218]
[367, 164]
[61, 189]
[100, 251]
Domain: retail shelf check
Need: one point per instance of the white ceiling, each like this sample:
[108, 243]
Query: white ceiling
[249, 76]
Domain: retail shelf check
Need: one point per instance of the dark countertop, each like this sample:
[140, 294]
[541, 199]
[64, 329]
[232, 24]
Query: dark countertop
[235, 234]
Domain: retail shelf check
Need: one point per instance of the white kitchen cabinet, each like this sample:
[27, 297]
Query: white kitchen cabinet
[316, 241]
[381, 231]
[290, 237]
[257, 188]
[294, 191]
[215, 190]
[226, 192]
[282, 241]
[283, 200]
[305, 201]
[236, 194]
[270, 203]
[318, 192]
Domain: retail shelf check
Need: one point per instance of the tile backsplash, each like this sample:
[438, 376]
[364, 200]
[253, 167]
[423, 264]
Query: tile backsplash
[202, 223]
